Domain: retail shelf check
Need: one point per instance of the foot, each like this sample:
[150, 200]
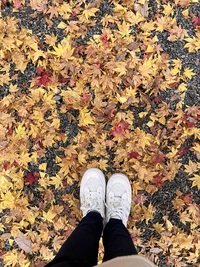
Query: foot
[118, 198]
[92, 192]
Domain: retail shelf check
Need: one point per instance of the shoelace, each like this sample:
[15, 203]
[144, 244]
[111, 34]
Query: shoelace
[116, 208]
[93, 201]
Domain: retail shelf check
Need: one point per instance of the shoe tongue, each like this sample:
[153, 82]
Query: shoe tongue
[93, 186]
[119, 190]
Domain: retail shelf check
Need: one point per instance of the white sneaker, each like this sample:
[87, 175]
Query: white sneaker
[118, 198]
[92, 192]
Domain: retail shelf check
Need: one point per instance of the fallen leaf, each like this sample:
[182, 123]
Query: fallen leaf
[23, 243]
[31, 177]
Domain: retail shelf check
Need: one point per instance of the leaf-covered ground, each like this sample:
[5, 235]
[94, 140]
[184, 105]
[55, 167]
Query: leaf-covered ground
[102, 84]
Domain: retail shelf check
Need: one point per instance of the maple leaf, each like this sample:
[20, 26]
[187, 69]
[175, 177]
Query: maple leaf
[158, 99]
[133, 155]
[189, 120]
[49, 215]
[188, 73]
[191, 167]
[119, 128]
[188, 199]
[62, 79]
[89, 12]
[158, 158]
[85, 117]
[64, 50]
[44, 77]
[104, 40]
[121, 68]
[141, 198]
[158, 180]
[52, 11]
[195, 181]
[56, 181]
[124, 29]
[31, 177]
[196, 21]
[17, 4]
[182, 151]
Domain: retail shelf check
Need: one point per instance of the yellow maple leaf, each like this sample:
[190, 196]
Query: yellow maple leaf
[149, 49]
[37, 54]
[20, 132]
[11, 258]
[124, 29]
[159, 227]
[102, 164]
[49, 215]
[146, 68]
[182, 87]
[185, 217]
[191, 167]
[195, 181]
[64, 49]
[62, 25]
[59, 51]
[50, 39]
[82, 158]
[7, 201]
[168, 10]
[89, 12]
[85, 117]
[148, 212]
[136, 187]
[46, 253]
[188, 73]
[56, 181]
[121, 68]
[119, 8]
[64, 9]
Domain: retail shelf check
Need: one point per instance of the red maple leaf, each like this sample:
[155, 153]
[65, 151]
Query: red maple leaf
[86, 97]
[119, 128]
[141, 198]
[44, 79]
[64, 183]
[158, 99]
[43, 75]
[158, 158]
[196, 21]
[157, 180]
[6, 165]
[62, 79]
[31, 177]
[188, 199]
[17, 4]
[104, 40]
[73, 14]
[133, 155]
[182, 151]
[189, 120]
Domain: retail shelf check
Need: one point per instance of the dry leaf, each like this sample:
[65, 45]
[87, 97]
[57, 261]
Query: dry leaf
[23, 243]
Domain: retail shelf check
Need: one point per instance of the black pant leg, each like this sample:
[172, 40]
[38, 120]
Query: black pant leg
[117, 240]
[83, 243]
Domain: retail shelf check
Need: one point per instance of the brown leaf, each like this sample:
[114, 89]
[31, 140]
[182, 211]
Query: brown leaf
[132, 46]
[23, 243]
[3, 144]
[143, 9]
